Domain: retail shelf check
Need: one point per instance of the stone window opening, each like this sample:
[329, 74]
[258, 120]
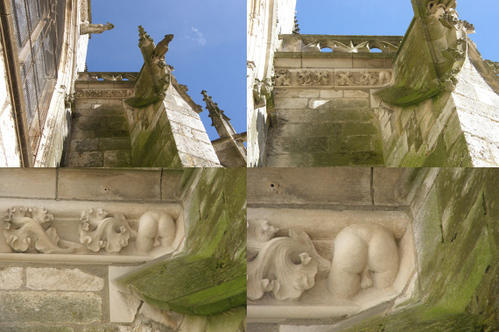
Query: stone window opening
[38, 30]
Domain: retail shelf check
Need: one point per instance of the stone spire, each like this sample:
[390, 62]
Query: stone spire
[219, 120]
[229, 147]
[296, 28]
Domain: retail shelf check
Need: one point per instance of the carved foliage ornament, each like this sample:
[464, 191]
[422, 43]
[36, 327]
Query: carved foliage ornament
[284, 266]
[310, 78]
[102, 93]
[32, 230]
[100, 230]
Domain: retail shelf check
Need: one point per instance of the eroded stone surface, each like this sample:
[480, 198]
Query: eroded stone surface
[62, 279]
[11, 277]
[50, 307]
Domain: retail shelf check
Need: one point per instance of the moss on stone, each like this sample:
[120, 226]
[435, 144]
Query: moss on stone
[210, 277]
[456, 239]
[155, 147]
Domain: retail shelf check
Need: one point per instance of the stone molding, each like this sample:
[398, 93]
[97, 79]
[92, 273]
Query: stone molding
[340, 44]
[333, 78]
[137, 230]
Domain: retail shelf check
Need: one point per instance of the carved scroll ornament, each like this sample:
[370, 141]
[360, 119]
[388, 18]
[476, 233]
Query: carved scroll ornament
[100, 230]
[30, 230]
[284, 266]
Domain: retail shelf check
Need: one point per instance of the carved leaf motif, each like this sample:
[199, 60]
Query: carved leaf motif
[95, 93]
[344, 78]
[283, 78]
[30, 229]
[285, 266]
[101, 230]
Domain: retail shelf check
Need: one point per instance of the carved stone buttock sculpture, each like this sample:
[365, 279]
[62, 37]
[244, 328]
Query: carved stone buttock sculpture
[156, 229]
[364, 256]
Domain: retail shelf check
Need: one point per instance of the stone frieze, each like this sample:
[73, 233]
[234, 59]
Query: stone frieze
[104, 93]
[333, 78]
[36, 230]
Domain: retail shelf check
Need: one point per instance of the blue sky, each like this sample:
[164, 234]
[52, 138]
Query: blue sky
[392, 17]
[208, 50]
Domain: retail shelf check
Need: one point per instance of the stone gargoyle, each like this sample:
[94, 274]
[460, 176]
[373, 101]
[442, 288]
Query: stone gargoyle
[155, 75]
[89, 28]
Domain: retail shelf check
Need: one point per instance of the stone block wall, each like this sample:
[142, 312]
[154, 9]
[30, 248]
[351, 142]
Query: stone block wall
[99, 128]
[267, 19]
[47, 298]
[477, 106]
[427, 134]
[330, 120]
[455, 129]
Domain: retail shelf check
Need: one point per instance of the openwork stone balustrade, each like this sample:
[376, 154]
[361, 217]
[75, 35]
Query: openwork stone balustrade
[107, 76]
[341, 44]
